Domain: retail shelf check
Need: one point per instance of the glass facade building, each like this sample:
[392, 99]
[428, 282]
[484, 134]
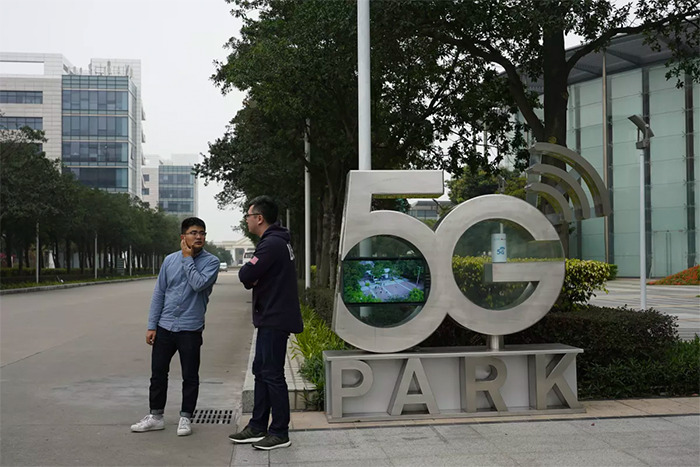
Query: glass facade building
[98, 127]
[177, 191]
[605, 89]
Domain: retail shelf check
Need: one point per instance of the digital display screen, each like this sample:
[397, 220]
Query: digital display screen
[384, 280]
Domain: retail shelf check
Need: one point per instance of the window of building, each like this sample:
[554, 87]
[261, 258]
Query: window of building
[21, 97]
[146, 177]
[15, 123]
[145, 191]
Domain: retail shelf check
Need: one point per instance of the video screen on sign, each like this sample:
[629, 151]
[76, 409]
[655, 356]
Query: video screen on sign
[393, 280]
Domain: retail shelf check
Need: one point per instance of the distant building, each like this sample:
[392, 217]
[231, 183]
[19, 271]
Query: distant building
[427, 208]
[92, 118]
[171, 185]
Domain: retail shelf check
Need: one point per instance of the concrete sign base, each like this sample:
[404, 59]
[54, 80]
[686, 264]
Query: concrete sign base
[451, 382]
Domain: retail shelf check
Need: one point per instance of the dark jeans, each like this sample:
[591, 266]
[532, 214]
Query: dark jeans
[188, 344]
[270, 386]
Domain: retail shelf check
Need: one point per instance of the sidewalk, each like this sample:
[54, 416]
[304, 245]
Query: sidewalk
[656, 432]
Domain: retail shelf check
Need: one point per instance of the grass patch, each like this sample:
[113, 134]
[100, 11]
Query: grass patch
[33, 284]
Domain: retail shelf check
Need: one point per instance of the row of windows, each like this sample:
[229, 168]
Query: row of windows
[96, 82]
[176, 206]
[96, 100]
[109, 178]
[187, 193]
[21, 97]
[81, 151]
[175, 179]
[15, 123]
[95, 126]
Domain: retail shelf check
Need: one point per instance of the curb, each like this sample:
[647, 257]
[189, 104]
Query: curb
[68, 286]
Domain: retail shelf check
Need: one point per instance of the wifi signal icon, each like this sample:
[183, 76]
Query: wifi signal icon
[565, 183]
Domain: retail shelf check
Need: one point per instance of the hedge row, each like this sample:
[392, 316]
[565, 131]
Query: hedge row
[627, 353]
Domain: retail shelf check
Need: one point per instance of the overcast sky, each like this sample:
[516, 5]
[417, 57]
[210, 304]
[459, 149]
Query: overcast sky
[176, 41]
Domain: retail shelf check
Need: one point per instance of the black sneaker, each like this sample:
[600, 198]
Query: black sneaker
[247, 435]
[272, 442]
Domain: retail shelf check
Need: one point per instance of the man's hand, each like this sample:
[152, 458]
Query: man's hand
[150, 336]
[186, 250]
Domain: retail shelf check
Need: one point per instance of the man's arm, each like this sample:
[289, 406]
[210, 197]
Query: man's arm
[200, 280]
[257, 267]
[158, 299]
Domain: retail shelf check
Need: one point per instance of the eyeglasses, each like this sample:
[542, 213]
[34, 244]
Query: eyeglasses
[252, 214]
[194, 233]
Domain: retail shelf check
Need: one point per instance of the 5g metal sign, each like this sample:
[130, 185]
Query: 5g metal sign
[437, 247]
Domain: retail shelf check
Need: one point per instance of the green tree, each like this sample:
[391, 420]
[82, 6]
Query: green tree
[223, 254]
[28, 184]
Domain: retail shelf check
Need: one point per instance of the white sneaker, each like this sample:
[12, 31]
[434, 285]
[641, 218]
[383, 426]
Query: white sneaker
[183, 428]
[148, 423]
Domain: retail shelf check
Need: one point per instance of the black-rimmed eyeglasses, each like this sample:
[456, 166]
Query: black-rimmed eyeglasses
[252, 214]
[194, 233]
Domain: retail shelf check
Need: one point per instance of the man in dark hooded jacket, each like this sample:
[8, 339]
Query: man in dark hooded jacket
[276, 313]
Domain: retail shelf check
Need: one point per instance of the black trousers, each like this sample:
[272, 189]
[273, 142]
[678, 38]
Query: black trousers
[271, 394]
[188, 344]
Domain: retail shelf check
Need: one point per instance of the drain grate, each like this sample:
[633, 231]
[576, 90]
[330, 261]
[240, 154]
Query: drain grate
[213, 416]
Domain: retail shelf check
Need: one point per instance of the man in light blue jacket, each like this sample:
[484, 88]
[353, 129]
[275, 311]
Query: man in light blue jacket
[176, 322]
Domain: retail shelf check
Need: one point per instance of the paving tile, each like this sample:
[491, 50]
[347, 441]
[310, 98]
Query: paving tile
[675, 455]
[597, 457]
[689, 421]
[247, 455]
[341, 463]
[647, 439]
[449, 460]
[561, 427]
[619, 425]
[326, 453]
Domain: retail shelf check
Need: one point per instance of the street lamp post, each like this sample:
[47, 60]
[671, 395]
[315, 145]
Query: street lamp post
[644, 134]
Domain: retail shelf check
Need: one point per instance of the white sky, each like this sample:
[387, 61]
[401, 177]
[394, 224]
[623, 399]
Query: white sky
[176, 41]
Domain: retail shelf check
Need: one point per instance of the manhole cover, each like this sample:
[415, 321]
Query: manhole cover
[215, 416]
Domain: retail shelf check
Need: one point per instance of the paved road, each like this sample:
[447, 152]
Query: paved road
[679, 300]
[75, 369]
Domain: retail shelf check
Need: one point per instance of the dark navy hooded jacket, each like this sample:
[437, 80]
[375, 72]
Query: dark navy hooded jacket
[272, 276]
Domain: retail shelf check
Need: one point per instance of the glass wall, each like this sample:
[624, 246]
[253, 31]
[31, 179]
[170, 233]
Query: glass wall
[110, 179]
[672, 188]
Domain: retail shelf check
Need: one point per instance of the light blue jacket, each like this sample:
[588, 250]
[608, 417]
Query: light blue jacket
[182, 292]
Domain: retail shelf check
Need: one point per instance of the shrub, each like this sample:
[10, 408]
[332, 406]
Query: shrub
[581, 279]
[677, 373]
[311, 343]
[320, 299]
[627, 353]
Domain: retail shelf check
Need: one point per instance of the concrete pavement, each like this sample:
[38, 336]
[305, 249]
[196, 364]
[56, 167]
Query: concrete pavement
[74, 375]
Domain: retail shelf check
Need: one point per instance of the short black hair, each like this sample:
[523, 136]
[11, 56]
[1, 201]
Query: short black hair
[189, 222]
[266, 206]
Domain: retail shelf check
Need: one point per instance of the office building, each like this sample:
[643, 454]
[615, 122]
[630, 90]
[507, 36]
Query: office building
[171, 185]
[605, 89]
[92, 117]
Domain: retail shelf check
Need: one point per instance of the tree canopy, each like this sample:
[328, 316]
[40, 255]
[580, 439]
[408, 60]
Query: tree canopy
[446, 77]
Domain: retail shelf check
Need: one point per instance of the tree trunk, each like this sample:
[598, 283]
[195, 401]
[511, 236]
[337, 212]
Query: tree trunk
[556, 97]
[69, 258]
[318, 243]
[56, 256]
[323, 269]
